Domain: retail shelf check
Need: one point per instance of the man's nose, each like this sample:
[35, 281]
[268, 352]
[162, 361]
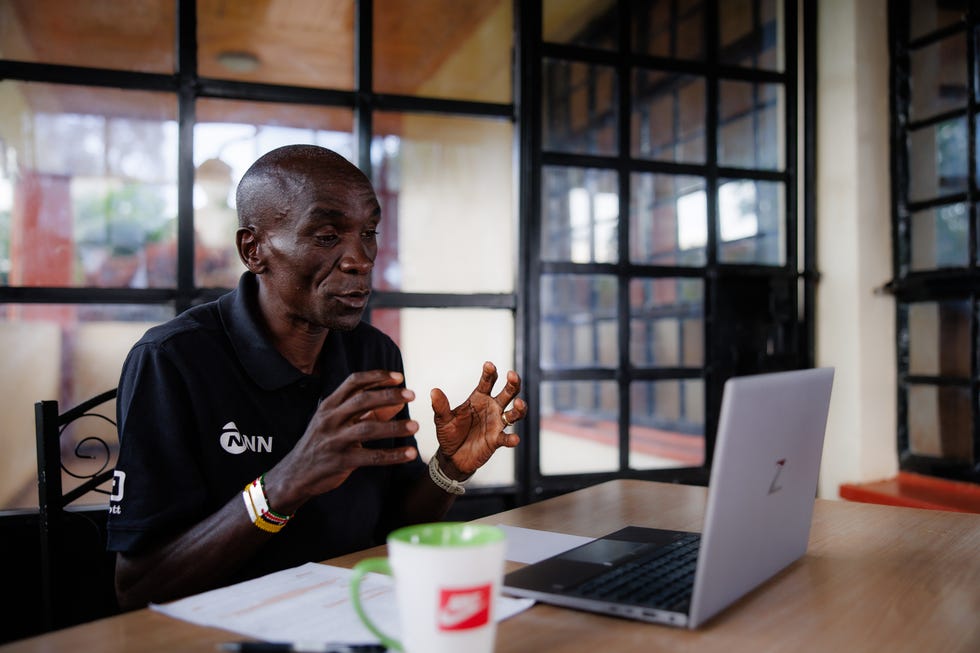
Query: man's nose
[357, 260]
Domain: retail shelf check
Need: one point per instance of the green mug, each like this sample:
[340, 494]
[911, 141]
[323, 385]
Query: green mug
[447, 576]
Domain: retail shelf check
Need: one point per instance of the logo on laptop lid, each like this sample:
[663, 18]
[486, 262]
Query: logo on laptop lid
[775, 487]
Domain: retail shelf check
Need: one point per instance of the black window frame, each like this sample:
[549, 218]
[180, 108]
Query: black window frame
[908, 286]
[779, 335]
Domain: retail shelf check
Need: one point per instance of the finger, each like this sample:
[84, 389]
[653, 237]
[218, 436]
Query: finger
[510, 440]
[384, 403]
[359, 382]
[516, 413]
[510, 389]
[487, 379]
[368, 430]
[440, 406]
[365, 457]
[382, 414]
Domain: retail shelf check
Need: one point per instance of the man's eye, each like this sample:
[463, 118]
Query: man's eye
[326, 239]
[370, 234]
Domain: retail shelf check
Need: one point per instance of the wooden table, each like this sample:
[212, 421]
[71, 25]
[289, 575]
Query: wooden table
[875, 578]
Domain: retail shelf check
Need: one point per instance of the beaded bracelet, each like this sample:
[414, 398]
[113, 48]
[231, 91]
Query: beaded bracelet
[452, 486]
[258, 508]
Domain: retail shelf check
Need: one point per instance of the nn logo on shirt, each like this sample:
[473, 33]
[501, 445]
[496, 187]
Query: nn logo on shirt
[235, 443]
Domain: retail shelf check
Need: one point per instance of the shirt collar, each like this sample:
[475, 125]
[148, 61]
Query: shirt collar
[241, 319]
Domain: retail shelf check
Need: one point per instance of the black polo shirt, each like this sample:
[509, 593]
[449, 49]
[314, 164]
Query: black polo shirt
[206, 405]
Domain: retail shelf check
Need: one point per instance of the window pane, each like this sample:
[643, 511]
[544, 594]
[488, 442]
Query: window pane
[666, 322]
[137, 36]
[938, 77]
[938, 160]
[668, 219]
[444, 48]
[940, 237]
[305, 43]
[665, 28]
[72, 352]
[751, 216]
[446, 348]
[940, 422]
[751, 125]
[751, 33]
[228, 137]
[579, 427]
[579, 108]
[927, 16]
[580, 215]
[939, 339]
[578, 321]
[666, 424]
[445, 184]
[88, 186]
[668, 117]
[591, 24]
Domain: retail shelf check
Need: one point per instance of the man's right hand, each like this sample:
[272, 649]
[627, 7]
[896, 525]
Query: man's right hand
[358, 411]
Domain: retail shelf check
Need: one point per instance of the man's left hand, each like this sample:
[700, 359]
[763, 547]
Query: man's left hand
[470, 433]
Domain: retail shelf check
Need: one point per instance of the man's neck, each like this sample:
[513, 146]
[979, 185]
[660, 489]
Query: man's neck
[299, 342]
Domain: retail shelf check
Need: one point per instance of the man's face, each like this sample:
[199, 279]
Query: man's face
[319, 256]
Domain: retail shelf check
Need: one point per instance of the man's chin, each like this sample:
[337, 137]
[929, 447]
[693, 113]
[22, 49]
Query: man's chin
[344, 322]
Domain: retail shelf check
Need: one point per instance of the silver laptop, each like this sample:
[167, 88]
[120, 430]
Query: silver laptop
[757, 520]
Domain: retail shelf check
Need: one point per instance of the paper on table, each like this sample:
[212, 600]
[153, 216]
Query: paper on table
[309, 603]
[528, 545]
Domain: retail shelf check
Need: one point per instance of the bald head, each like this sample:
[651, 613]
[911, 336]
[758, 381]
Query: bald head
[270, 186]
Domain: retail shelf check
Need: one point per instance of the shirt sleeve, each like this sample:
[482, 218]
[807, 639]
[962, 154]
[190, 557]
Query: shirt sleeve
[159, 488]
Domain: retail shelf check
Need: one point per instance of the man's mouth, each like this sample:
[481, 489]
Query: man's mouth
[354, 298]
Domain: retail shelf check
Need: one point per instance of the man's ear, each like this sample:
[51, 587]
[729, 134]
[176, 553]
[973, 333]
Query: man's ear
[249, 249]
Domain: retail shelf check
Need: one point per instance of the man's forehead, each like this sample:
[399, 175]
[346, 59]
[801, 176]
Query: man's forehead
[328, 211]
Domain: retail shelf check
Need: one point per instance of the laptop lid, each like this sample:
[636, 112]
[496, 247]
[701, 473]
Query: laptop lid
[763, 483]
[757, 519]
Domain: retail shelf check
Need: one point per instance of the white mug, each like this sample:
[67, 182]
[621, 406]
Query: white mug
[447, 578]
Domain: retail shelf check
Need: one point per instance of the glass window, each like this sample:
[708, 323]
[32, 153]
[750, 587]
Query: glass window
[446, 348]
[939, 71]
[667, 322]
[751, 33]
[938, 334]
[937, 160]
[89, 182]
[579, 108]
[940, 422]
[751, 125]
[136, 36]
[444, 48]
[228, 137]
[668, 219]
[590, 24]
[445, 183]
[578, 321]
[666, 424]
[927, 16]
[63, 352]
[668, 117]
[941, 237]
[303, 43]
[664, 28]
[580, 215]
[579, 430]
[934, 217]
[750, 222]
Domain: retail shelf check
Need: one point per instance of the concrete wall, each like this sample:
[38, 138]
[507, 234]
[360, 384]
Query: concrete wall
[855, 326]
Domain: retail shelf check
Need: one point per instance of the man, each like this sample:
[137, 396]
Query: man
[280, 389]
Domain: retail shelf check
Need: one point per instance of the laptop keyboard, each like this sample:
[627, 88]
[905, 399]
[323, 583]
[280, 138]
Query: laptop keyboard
[663, 578]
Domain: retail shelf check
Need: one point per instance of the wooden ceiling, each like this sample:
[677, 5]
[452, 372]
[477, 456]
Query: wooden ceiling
[295, 42]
